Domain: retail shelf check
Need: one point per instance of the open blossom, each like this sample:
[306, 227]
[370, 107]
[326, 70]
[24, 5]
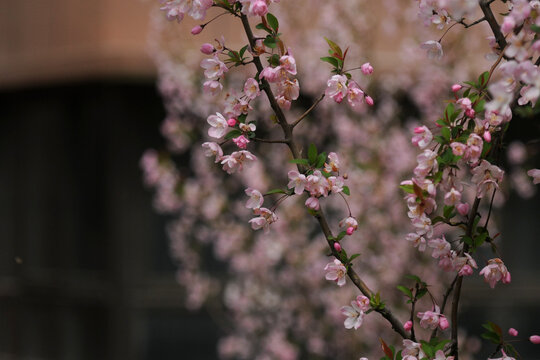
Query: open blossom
[486, 177]
[337, 88]
[418, 241]
[336, 183]
[535, 174]
[251, 88]
[296, 181]
[313, 203]
[355, 94]
[439, 355]
[218, 125]
[452, 197]
[349, 222]
[495, 271]
[263, 221]
[440, 247]
[411, 348]
[241, 141]
[423, 225]
[422, 137]
[426, 162]
[366, 69]
[433, 48]
[212, 87]
[336, 271]
[255, 198]
[354, 314]
[430, 319]
[213, 68]
[288, 63]
[212, 149]
[317, 185]
[332, 164]
[237, 160]
[254, 7]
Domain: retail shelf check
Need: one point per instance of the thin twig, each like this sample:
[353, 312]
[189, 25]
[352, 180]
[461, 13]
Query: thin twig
[297, 121]
[466, 26]
[443, 305]
[490, 18]
[271, 141]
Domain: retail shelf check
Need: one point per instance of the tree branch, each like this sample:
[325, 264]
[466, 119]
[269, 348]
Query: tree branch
[490, 18]
[297, 121]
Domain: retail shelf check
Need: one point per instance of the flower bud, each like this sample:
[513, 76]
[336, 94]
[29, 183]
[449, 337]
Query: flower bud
[207, 48]
[231, 122]
[350, 230]
[366, 69]
[466, 270]
[456, 87]
[443, 323]
[259, 8]
[313, 203]
[487, 136]
[369, 100]
[337, 246]
[408, 325]
[535, 339]
[196, 30]
[512, 332]
[463, 209]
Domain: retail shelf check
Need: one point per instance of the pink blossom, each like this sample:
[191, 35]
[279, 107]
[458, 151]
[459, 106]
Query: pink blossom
[355, 94]
[232, 122]
[535, 339]
[535, 174]
[363, 302]
[440, 247]
[196, 30]
[422, 137]
[337, 87]
[354, 315]
[369, 100]
[512, 332]
[336, 271]
[349, 231]
[251, 88]
[271, 74]
[458, 149]
[255, 198]
[333, 163]
[296, 181]
[336, 184]
[456, 87]
[218, 125]
[337, 246]
[408, 325]
[486, 177]
[173, 11]
[213, 68]
[207, 49]
[433, 48]
[263, 221]
[452, 197]
[430, 319]
[237, 160]
[366, 69]
[443, 322]
[349, 222]
[508, 25]
[288, 63]
[417, 240]
[247, 127]
[212, 87]
[495, 271]
[241, 141]
[213, 149]
[313, 203]
[463, 209]
[412, 348]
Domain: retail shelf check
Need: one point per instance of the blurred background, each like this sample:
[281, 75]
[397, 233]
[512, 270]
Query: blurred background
[85, 265]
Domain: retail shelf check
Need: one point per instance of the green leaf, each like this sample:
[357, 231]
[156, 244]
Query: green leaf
[341, 235]
[261, 26]
[448, 211]
[335, 48]
[272, 21]
[407, 188]
[274, 60]
[445, 132]
[466, 93]
[346, 190]
[449, 111]
[312, 154]
[479, 240]
[331, 60]
[353, 256]
[442, 122]
[421, 292]
[242, 51]
[270, 42]
[428, 349]
[479, 107]
[242, 118]
[482, 79]
[299, 161]
[233, 134]
[405, 291]
[414, 277]
[467, 240]
[535, 28]
[491, 336]
[321, 159]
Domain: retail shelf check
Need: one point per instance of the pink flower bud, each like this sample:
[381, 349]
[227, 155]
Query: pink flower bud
[338, 97]
[408, 325]
[443, 323]
[470, 113]
[487, 136]
[207, 48]
[366, 69]
[231, 122]
[512, 332]
[337, 246]
[313, 203]
[369, 100]
[350, 230]
[241, 141]
[466, 270]
[259, 8]
[196, 30]
[535, 339]
[419, 130]
[463, 209]
[456, 87]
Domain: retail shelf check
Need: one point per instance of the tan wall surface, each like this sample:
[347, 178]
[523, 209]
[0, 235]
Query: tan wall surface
[56, 40]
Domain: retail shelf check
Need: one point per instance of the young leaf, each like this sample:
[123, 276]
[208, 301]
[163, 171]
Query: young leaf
[233, 134]
[331, 60]
[299, 161]
[353, 256]
[405, 291]
[346, 190]
[386, 349]
[272, 21]
[321, 159]
[242, 51]
[445, 133]
[335, 48]
[312, 154]
[276, 191]
[270, 42]
[482, 79]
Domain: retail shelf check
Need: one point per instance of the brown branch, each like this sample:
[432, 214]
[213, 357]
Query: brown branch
[490, 18]
[457, 291]
[287, 131]
[297, 121]
[271, 141]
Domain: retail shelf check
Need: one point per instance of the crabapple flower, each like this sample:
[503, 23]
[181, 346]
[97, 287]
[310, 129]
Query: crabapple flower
[337, 88]
[337, 246]
[255, 198]
[366, 69]
[173, 10]
[433, 48]
[251, 88]
[512, 332]
[440, 247]
[297, 181]
[263, 221]
[313, 203]
[486, 177]
[412, 348]
[369, 100]
[422, 138]
[355, 94]
[247, 127]
[495, 271]
[430, 319]
[418, 241]
[288, 63]
[443, 323]
[363, 302]
[535, 339]
[241, 141]
[349, 222]
[423, 225]
[336, 271]
[235, 161]
[408, 325]
[452, 197]
[336, 183]
[349, 231]
[212, 87]
[212, 149]
[232, 122]
[207, 49]
[439, 355]
[213, 68]
[332, 164]
[456, 87]
[535, 174]
[196, 30]
[354, 314]
[458, 149]
[504, 357]
[218, 125]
